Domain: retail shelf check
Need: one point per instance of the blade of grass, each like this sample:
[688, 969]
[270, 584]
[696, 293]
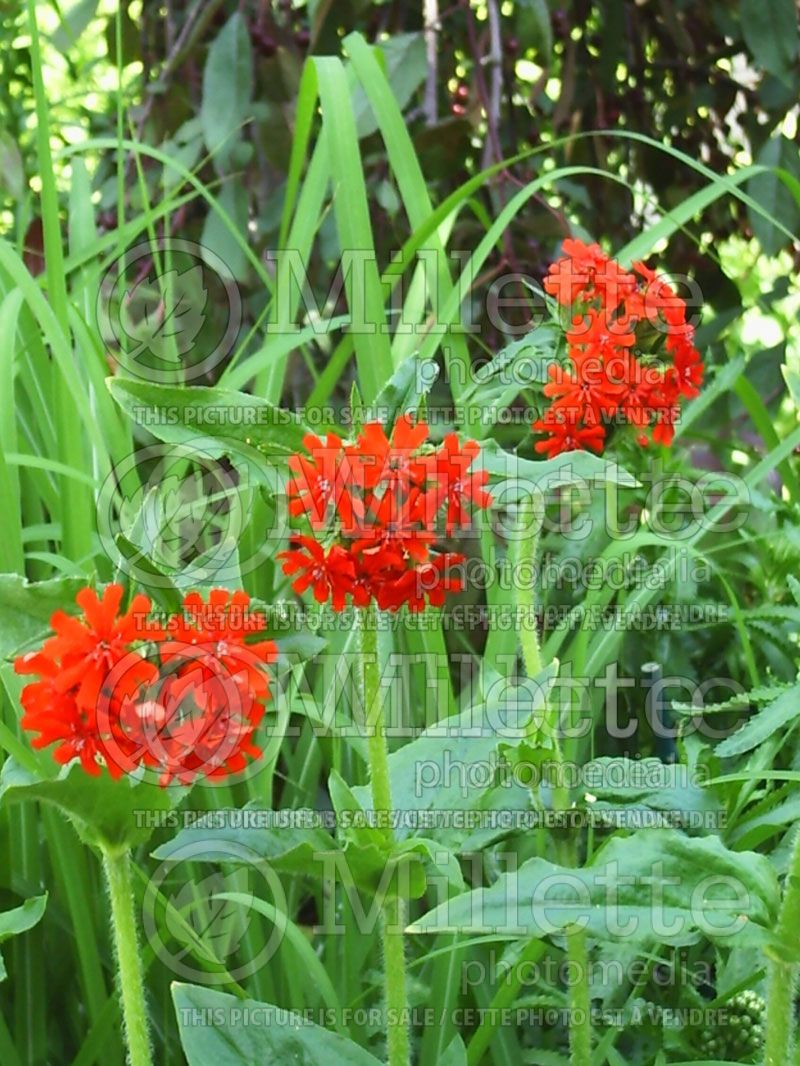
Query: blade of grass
[295, 253]
[76, 503]
[364, 291]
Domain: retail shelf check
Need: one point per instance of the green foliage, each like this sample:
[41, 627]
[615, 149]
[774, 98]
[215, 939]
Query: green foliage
[26, 608]
[111, 814]
[279, 137]
[540, 899]
[227, 89]
[20, 920]
[282, 1037]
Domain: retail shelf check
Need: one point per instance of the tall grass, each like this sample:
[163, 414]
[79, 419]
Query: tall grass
[61, 435]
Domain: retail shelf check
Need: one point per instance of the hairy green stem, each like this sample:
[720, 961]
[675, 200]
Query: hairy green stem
[117, 866]
[525, 559]
[526, 597]
[580, 1023]
[783, 975]
[378, 750]
[394, 917]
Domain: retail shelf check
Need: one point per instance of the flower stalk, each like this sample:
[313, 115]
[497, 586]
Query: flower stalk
[527, 548]
[393, 911]
[117, 867]
[782, 983]
[580, 1028]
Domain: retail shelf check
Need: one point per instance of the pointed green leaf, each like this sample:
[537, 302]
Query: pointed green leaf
[211, 1031]
[20, 920]
[105, 813]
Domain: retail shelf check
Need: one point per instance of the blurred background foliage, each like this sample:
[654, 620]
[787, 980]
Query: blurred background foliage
[211, 86]
[207, 93]
[214, 83]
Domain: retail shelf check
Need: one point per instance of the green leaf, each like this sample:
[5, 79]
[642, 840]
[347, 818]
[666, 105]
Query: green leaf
[720, 384]
[298, 940]
[227, 89]
[762, 725]
[26, 608]
[217, 234]
[275, 1035]
[365, 294]
[406, 66]
[12, 169]
[739, 702]
[168, 318]
[106, 813]
[440, 861]
[197, 909]
[366, 863]
[770, 32]
[429, 775]
[534, 28]
[455, 1054]
[656, 885]
[792, 379]
[219, 421]
[365, 849]
[131, 39]
[521, 363]
[639, 785]
[404, 392]
[74, 23]
[518, 477]
[290, 849]
[536, 350]
[771, 192]
[20, 920]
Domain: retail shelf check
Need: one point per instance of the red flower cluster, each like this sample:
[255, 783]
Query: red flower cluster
[373, 508]
[182, 698]
[630, 348]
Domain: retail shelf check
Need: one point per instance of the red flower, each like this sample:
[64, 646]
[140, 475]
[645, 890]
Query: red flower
[585, 273]
[573, 274]
[454, 484]
[55, 715]
[394, 529]
[613, 285]
[397, 486]
[394, 462]
[193, 725]
[329, 574]
[321, 482]
[587, 394]
[189, 709]
[219, 628]
[608, 379]
[89, 647]
[597, 333]
[664, 428]
[687, 368]
[635, 386]
[566, 434]
[427, 583]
